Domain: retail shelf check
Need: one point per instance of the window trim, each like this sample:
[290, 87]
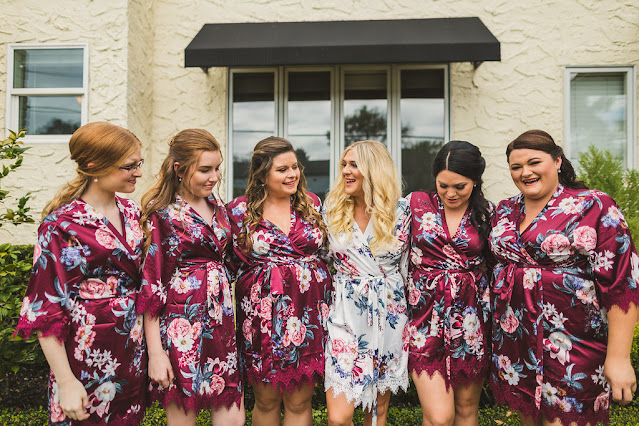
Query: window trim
[337, 107]
[12, 96]
[631, 105]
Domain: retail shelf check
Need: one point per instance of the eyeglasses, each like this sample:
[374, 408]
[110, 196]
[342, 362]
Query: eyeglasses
[131, 168]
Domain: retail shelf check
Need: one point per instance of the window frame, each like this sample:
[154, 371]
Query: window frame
[13, 94]
[337, 107]
[631, 105]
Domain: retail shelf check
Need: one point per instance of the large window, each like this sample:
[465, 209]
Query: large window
[47, 90]
[321, 110]
[600, 111]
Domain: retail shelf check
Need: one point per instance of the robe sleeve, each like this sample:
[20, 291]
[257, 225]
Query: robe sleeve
[614, 258]
[159, 266]
[404, 223]
[233, 261]
[59, 261]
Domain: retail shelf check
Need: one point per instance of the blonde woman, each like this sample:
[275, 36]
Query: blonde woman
[281, 284]
[368, 223]
[185, 296]
[85, 279]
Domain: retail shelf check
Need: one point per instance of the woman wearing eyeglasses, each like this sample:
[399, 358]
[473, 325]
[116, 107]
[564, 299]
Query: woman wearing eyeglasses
[86, 275]
[186, 296]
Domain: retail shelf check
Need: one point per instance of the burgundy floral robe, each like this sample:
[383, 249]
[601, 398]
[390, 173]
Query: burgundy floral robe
[281, 289]
[83, 289]
[448, 295]
[186, 284]
[552, 286]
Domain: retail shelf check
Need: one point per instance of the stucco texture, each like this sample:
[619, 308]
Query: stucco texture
[138, 79]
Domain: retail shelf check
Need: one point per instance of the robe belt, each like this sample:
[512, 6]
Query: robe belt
[206, 264]
[505, 282]
[275, 271]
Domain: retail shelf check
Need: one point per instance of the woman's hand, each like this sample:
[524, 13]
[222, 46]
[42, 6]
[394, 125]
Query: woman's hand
[160, 370]
[621, 378]
[73, 399]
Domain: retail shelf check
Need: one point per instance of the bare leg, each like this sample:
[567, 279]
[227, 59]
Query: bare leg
[268, 402]
[298, 410]
[340, 411]
[438, 404]
[233, 416]
[467, 405]
[383, 399]
[177, 416]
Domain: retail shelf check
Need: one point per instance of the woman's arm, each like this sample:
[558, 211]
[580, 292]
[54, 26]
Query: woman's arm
[617, 368]
[73, 395]
[160, 370]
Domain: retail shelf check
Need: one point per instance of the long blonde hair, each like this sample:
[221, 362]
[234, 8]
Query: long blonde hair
[261, 162]
[381, 193]
[97, 148]
[185, 148]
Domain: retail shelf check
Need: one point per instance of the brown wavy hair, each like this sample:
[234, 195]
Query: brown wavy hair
[185, 148]
[261, 162]
[97, 148]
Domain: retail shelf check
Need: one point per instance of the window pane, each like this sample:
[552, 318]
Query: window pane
[365, 106]
[309, 125]
[422, 115]
[253, 120]
[47, 68]
[598, 113]
[49, 115]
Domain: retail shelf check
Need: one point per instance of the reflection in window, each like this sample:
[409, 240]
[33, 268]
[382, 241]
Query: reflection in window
[309, 125]
[47, 68]
[422, 111]
[365, 106]
[253, 120]
[598, 113]
[50, 115]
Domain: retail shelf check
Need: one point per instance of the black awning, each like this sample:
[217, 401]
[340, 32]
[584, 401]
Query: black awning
[342, 42]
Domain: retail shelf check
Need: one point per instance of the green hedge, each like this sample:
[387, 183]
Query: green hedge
[490, 416]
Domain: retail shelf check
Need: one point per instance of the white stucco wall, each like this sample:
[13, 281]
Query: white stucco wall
[138, 79]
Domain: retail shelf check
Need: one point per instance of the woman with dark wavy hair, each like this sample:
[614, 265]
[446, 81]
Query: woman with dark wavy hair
[281, 284]
[564, 292]
[448, 290]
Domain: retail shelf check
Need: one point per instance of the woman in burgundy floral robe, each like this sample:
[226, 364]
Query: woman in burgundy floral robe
[448, 292]
[84, 283]
[186, 295]
[564, 292]
[281, 284]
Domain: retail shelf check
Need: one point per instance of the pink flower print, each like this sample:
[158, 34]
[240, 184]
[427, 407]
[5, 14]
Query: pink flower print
[37, 251]
[94, 288]
[217, 384]
[296, 330]
[256, 291]
[584, 239]
[137, 331]
[213, 280]
[413, 296]
[504, 362]
[557, 247]
[338, 346]
[325, 310]
[136, 231]
[602, 401]
[266, 308]
[55, 411]
[178, 327]
[265, 326]
[106, 239]
[451, 254]
[406, 333]
[85, 336]
[531, 276]
[509, 323]
[559, 346]
[247, 330]
[316, 236]
[179, 285]
[262, 242]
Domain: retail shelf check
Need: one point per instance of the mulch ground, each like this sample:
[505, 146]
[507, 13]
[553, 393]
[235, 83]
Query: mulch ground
[25, 389]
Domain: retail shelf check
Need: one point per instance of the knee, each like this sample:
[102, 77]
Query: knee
[466, 409]
[297, 405]
[440, 418]
[267, 405]
[339, 418]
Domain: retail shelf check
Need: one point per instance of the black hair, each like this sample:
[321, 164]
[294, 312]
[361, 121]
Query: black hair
[464, 158]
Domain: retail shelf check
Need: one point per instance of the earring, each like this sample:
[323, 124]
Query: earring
[95, 180]
[179, 179]
[558, 170]
[475, 185]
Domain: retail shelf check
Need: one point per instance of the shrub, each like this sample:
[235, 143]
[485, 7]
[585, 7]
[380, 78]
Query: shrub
[15, 265]
[600, 170]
